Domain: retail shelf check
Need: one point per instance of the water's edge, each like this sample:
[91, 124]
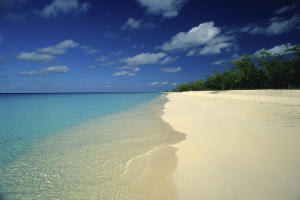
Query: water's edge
[80, 163]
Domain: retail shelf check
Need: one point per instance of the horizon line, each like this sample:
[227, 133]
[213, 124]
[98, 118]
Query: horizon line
[70, 92]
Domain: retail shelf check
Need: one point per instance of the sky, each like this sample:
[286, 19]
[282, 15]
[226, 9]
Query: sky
[134, 45]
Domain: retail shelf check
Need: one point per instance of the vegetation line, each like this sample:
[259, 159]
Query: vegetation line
[267, 71]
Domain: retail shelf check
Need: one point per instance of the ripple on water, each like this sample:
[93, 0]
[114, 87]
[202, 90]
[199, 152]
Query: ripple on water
[91, 160]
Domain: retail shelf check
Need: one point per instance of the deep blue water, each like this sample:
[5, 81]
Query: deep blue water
[29, 118]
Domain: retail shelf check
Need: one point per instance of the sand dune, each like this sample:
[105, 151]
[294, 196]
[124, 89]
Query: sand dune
[242, 145]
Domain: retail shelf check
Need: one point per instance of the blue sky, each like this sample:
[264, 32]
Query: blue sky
[133, 45]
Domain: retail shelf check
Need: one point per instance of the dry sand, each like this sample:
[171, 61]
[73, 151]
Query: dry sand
[240, 145]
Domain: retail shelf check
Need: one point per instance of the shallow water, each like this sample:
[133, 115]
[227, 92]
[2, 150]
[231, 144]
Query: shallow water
[91, 160]
[26, 119]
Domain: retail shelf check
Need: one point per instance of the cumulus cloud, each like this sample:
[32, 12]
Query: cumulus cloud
[274, 26]
[127, 71]
[166, 8]
[133, 24]
[158, 83]
[101, 59]
[91, 66]
[47, 53]
[132, 68]
[59, 48]
[47, 70]
[205, 39]
[195, 37]
[219, 62]
[171, 70]
[36, 57]
[149, 59]
[235, 56]
[123, 73]
[192, 52]
[107, 63]
[136, 69]
[89, 49]
[216, 45]
[285, 9]
[279, 49]
[63, 7]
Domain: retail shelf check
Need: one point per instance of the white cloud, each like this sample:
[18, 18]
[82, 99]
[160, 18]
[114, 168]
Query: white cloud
[63, 7]
[285, 9]
[36, 57]
[59, 48]
[158, 83]
[123, 73]
[216, 46]
[132, 68]
[107, 63]
[205, 39]
[275, 26]
[191, 52]
[149, 59]
[116, 53]
[166, 8]
[47, 70]
[91, 66]
[89, 49]
[174, 84]
[235, 56]
[47, 53]
[127, 71]
[279, 49]
[101, 59]
[219, 62]
[133, 24]
[136, 69]
[195, 37]
[170, 70]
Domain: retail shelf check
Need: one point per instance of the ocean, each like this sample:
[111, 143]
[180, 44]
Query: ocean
[79, 146]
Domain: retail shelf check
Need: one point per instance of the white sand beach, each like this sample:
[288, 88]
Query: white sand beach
[240, 145]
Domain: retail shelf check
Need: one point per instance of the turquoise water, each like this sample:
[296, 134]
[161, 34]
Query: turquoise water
[81, 146]
[26, 119]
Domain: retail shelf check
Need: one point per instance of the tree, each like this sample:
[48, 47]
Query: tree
[264, 71]
[247, 73]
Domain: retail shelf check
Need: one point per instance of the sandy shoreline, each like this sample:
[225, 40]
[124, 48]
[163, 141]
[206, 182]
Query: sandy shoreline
[125, 155]
[239, 144]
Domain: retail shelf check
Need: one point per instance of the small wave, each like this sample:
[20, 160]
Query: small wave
[137, 157]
